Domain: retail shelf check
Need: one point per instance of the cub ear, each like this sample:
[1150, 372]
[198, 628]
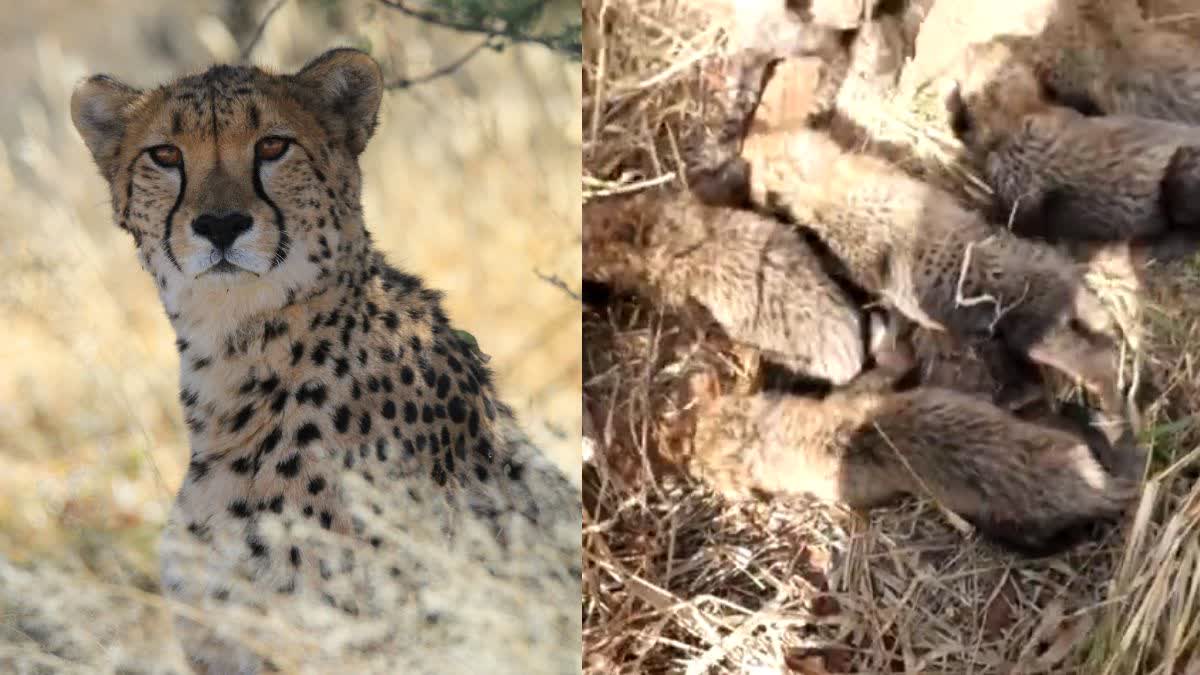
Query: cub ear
[347, 84]
[100, 109]
[956, 108]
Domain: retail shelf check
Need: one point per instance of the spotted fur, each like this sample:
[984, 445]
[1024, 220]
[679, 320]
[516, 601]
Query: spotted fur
[1026, 486]
[907, 242]
[754, 275]
[318, 382]
[1058, 174]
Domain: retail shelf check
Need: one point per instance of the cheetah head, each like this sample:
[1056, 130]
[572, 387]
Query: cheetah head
[240, 187]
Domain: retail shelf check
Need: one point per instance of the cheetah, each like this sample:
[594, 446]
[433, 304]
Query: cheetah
[350, 456]
[1031, 488]
[1057, 174]
[755, 276]
[935, 262]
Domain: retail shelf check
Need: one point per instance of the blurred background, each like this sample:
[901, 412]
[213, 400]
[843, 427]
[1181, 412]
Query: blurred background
[472, 181]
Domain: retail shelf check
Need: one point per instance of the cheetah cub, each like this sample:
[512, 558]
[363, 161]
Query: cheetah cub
[935, 262]
[1031, 488]
[754, 275]
[353, 470]
[1057, 174]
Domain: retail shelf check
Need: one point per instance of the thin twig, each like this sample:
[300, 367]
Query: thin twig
[560, 284]
[262, 27]
[573, 50]
[405, 82]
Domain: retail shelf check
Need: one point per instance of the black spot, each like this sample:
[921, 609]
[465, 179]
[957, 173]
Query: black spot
[248, 386]
[280, 401]
[188, 397]
[274, 329]
[341, 367]
[484, 449]
[472, 420]
[270, 441]
[406, 375]
[438, 474]
[321, 352]
[326, 519]
[416, 343]
[391, 320]
[316, 485]
[427, 413]
[198, 469]
[429, 376]
[268, 385]
[297, 352]
[381, 449]
[387, 354]
[200, 363]
[307, 433]
[241, 465]
[239, 509]
[341, 419]
[410, 412]
[276, 504]
[311, 392]
[389, 410]
[364, 422]
[481, 473]
[290, 467]
[294, 556]
[514, 470]
[443, 386]
[257, 548]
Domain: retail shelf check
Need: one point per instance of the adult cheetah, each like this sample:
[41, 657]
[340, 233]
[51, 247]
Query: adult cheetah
[350, 458]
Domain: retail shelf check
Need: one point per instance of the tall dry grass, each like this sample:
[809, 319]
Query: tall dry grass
[472, 182]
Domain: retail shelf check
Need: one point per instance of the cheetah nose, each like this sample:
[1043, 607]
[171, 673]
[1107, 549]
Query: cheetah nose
[222, 230]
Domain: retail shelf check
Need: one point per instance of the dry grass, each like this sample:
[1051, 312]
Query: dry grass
[471, 182]
[677, 580]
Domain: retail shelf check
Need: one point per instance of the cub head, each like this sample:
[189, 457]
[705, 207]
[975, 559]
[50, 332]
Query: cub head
[994, 90]
[240, 187]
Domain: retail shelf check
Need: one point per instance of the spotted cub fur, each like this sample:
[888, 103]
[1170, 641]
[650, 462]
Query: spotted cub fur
[1029, 487]
[334, 413]
[935, 262]
[756, 277]
[1059, 174]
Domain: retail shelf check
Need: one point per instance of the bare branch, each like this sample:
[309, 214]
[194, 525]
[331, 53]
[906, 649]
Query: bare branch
[560, 284]
[497, 30]
[406, 82]
[262, 27]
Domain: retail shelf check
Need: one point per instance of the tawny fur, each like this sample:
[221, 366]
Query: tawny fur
[1058, 174]
[754, 275]
[319, 383]
[1029, 487]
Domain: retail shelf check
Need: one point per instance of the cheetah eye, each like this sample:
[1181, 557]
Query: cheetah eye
[271, 147]
[167, 156]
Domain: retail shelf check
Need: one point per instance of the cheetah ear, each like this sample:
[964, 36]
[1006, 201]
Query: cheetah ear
[348, 84]
[100, 110]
